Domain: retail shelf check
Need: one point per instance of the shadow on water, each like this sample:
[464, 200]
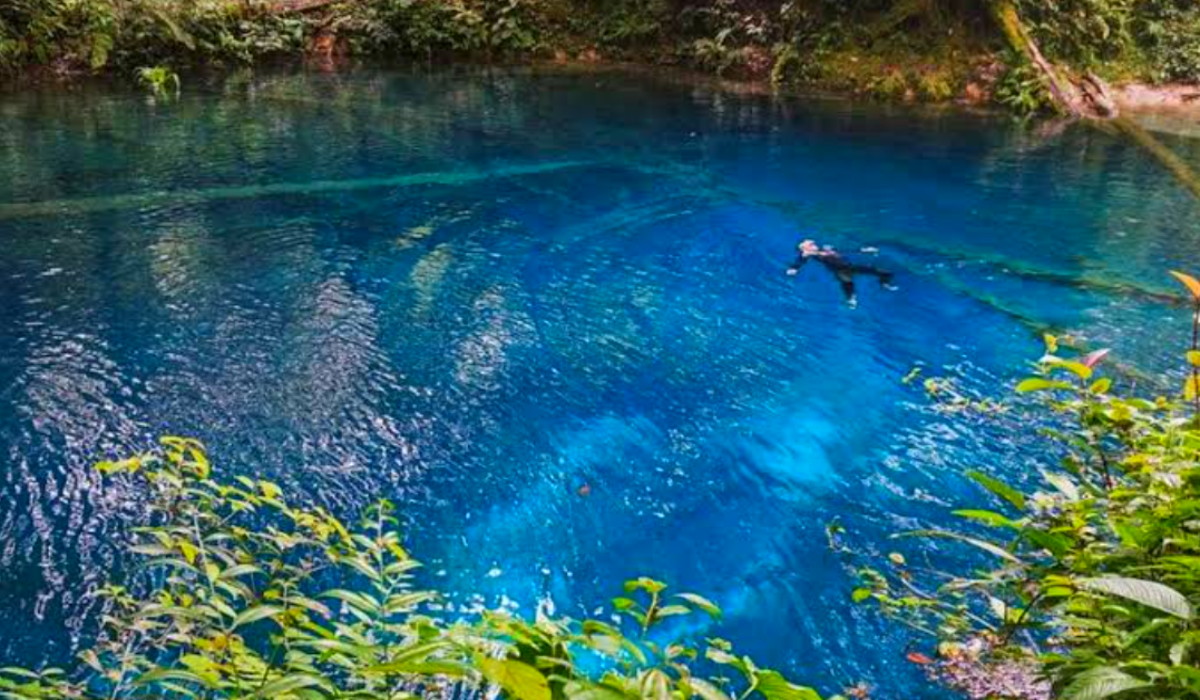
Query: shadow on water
[474, 292]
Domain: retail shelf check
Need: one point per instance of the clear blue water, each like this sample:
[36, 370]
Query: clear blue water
[474, 292]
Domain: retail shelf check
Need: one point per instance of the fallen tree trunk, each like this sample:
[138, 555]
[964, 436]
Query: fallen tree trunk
[1087, 97]
[1090, 98]
[1172, 162]
[1065, 96]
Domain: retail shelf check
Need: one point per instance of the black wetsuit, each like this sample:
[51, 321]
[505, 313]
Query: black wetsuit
[843, 270]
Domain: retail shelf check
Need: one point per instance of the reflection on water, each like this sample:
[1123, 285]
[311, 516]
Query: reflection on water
[475, 292]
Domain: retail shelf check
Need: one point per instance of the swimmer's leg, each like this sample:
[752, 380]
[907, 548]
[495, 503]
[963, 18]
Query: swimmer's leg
[884, 277]
[846, 280]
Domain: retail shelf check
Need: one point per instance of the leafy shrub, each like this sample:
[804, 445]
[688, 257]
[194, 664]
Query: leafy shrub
[1086, 32]
[160, 80]
[1021, 89]
[620, 23]
[1170, 32]
[76, 32]
[240, 594]
[1096, 576]
[935, 85]
[891, 85]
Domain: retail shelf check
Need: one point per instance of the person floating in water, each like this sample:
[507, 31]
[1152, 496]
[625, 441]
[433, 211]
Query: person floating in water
[842, 269]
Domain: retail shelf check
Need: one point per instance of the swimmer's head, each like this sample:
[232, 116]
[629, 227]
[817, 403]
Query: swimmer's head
[808, 246]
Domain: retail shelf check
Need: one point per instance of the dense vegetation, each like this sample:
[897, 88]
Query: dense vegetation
[918, 49]
[1091, 582]
[239, 594]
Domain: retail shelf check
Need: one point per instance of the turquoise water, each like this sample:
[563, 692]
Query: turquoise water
[474, 292]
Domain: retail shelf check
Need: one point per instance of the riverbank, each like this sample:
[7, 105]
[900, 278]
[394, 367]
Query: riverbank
[904, 51]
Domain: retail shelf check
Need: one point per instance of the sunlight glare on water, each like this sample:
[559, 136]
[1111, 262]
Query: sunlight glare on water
[475, 292]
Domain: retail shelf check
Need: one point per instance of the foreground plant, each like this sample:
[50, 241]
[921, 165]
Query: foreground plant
[239, 594]
[1093, 580]
[159, 80]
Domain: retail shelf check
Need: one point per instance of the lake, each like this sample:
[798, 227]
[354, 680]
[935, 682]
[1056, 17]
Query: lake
[544, 310]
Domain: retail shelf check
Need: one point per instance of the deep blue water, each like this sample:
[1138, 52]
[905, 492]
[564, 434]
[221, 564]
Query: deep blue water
[474, 292]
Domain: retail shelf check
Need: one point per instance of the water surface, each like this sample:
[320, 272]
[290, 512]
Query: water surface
[476, 291]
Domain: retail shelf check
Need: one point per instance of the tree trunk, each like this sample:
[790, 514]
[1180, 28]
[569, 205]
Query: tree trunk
[1065, 96]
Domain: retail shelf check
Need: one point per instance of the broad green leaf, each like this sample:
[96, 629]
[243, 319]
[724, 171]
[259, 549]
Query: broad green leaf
[520, 680]
[1193, 358]
[254, 614]
[1003, 611]
[670, 610]
[701, 603]
[706, 690]
[1099, 683]
[355, 599]
[654, 685]
[1063, 483]
[270, 489]
[287, 684]
[1101, 386]
[404, 659]
[1178, 652]
[645, 584]
[595, 692]
[1040, 384]
[986, 517]
[452, 669]
[1149, 593]
[407, 601]
[986, 546]
[998, 488]
[159, 675]
[860, 594]
[774, 686]
[189, 551]
[240, 570]
[1056, 543]
[723, 657]
[1079, 369]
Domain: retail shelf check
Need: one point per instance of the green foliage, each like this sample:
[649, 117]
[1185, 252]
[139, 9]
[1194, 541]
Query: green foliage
[161, 81]
[1091, 582]
[620, 24]
[79, 32]
[240, 594]
[1169, 31]
[418, 27]
[891, 85]
[1158, 37]
[1085, 32]
[1022, 90]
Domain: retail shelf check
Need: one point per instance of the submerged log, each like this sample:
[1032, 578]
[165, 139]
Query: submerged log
[1172, 162]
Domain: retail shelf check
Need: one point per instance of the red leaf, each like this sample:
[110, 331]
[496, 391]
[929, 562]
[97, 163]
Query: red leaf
[918, 658]
[1093, 358]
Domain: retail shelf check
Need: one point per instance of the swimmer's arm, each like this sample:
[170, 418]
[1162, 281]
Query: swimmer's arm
[800, 260]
